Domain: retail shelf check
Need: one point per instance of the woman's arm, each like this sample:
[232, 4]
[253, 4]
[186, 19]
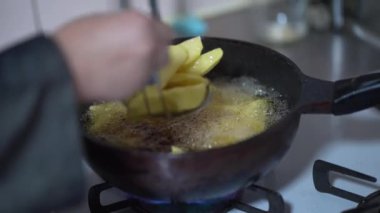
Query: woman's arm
[40, 159]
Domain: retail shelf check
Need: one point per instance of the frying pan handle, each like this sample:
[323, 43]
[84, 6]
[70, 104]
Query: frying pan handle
[340, 97]
[355, 94]
[316, 96]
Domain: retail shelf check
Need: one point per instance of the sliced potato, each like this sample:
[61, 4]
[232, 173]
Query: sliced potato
[176, 99]
[205, 62]
[194, 48]
[177, 56]
[184, 79]
[181, 99]
[181, 91]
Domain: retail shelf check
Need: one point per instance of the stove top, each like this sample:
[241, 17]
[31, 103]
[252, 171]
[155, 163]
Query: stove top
[237, 202]
[351, 141]
[324, 176]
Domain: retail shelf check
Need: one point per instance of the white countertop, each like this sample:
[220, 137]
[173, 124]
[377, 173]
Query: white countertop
[352, 141]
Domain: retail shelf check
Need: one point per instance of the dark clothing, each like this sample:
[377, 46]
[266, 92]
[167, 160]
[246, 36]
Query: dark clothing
[40, 156]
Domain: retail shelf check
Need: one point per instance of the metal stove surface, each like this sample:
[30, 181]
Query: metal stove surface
[351, 141]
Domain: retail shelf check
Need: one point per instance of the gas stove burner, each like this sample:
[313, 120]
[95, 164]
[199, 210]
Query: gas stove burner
[368, 204]
[133, 204]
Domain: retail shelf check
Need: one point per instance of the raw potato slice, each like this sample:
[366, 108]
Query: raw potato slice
[177, 56]
[205, 62]
[182, 99]
[182, 91]
[177, 99]
[184, 79]
[194, 48]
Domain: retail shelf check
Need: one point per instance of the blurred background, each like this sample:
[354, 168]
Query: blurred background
[273, 22]
[18, 18]
[328, 33]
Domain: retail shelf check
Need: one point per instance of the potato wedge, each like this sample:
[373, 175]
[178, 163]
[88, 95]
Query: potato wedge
[177, 56]
[177, 99]
[184, 79]
[194, 48]
[182, 91]
[205, 62]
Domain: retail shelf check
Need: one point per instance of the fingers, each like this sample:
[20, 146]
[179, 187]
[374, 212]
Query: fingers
[121, 53]
[154, 38]
[165, 34]
[163, 38]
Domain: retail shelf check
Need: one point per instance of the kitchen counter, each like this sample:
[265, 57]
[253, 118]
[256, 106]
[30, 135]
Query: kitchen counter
[351, 140]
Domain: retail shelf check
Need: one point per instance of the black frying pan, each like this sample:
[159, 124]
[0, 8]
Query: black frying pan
[219, 172]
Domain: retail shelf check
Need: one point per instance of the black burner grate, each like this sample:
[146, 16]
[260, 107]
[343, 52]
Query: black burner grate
[368, 204]
[275, 201]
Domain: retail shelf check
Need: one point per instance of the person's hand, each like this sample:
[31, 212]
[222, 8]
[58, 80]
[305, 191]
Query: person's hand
[112, 56]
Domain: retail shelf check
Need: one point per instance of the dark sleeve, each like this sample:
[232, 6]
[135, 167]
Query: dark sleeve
[40, 156]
